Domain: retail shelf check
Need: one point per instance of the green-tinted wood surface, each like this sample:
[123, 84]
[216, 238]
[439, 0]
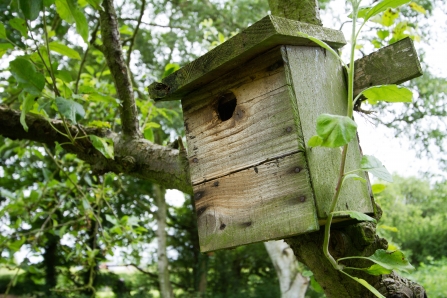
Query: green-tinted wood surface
[394, 64]
[269, 201]
[269, 32]
[319, 86]
[306, 11]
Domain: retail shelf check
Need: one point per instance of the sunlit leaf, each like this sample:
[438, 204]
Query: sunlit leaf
[334, 130]
[388, 93]
[70, 109]
[170, 68]
[414, 6]
[96, 4]
[4, 47]
[31, 8]
[26, 75]
[315, 141]
[388, 17]
[374, 166]
[368, 286]
[382, 34]
[63, 50]
[378, 188]
[149, 134]
[394, 260]
[69, 11]
[367, 13]
[101, 124]
[103, 145]
[27, 105]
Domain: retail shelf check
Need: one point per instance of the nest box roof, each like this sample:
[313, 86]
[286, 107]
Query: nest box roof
[265, 34]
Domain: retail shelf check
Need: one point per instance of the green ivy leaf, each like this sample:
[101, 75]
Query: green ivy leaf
[103, 145]
[378, 188]
[31, 8]
[2, 31]
[20, 25]
[334, 130]
[374, 166]
[388, 93]
[356, 215]
[4, 47]
[27, 105]
[70, 109]
[64, 50]
[26, 75]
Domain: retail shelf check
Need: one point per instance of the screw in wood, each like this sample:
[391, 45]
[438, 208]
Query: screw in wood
[297, 170]
[216, 183]
[289, 129]
[302, 199]
[195, 160]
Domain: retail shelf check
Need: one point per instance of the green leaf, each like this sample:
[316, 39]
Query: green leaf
[70, 109]
[394, 260]
[149, 134]
[376, 269]
[4, 47]
[20, 25]
[31, 8]
[367, 13]
[355, 177]
[374, 166]
[64, 50]
[26, 75]
[16, 245]
[2, 31]
[315, 141]
[81, 24]
[388, 17]
[96, 4]
[100, 124]
[103, 145]
[382, 34]
[378, 188]
[170, 68]
[418, 8]
[356, 215]
[388, 93]
[27, 105]
[64, 11]
[368, 286]
[69, 11]
[334, 130]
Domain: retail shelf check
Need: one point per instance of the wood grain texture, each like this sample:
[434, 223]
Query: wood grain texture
[269, 201]
[265, 34]
[318, 82]
[394, 64]
[263, 125]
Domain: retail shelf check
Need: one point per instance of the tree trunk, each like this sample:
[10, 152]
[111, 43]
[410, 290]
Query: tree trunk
[162, 263]
[291, 282]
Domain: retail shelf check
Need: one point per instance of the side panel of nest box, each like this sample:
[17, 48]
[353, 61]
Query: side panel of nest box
[246, 151]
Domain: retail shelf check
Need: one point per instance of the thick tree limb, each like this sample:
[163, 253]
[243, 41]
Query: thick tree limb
[115, 61]
[136, 157]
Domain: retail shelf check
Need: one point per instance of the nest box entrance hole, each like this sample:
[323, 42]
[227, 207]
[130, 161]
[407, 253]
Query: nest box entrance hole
[226, 106]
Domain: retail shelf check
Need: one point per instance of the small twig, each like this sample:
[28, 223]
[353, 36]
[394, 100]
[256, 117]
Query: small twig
[135, 32]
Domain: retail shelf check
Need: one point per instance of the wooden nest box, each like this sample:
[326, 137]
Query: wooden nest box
[250, 105]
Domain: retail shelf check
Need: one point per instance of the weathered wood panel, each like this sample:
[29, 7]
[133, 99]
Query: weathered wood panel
[318, 82]
[272, 200]
[265, 34]
[393, 64]
[263, 125]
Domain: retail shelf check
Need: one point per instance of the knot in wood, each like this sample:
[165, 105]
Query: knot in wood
[128, 162]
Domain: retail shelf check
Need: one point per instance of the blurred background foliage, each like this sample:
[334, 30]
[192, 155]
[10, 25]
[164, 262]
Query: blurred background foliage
[60, 224]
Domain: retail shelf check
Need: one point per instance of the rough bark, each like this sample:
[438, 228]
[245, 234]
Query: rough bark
[136, 157]
[291, 282]
[162, 259]
[115, 61]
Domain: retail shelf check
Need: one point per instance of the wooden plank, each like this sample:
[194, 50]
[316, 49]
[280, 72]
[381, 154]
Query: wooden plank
[393, 64]
[270, 201]
[265, 34]
[318, 82]
[262, 128]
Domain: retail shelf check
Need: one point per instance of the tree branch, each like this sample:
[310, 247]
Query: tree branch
[134, 36]
[137, 157]
[118, 68]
